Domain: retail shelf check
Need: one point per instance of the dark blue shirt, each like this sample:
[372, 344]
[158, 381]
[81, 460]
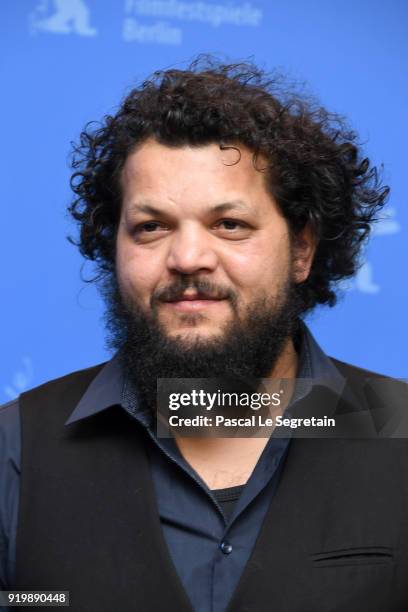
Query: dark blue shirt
[209, 549]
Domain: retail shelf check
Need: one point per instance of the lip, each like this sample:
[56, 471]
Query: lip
[191, 305]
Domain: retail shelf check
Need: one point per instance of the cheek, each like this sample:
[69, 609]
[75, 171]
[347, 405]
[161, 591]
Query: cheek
[255, 265]
[137, 272]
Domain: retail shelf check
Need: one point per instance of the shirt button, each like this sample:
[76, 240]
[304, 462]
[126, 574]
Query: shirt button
[226, 548]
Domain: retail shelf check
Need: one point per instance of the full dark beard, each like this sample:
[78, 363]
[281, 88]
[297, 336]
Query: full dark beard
[247, 348]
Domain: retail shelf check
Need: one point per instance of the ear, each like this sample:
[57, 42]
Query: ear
[304, 245]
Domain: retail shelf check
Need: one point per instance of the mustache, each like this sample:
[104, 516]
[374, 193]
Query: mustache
[203, 287]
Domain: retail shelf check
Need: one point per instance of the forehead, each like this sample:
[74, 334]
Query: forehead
[177, 173]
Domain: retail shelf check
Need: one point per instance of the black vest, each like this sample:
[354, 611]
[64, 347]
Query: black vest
[335, 537]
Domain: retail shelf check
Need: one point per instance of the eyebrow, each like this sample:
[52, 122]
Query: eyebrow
[149, 209]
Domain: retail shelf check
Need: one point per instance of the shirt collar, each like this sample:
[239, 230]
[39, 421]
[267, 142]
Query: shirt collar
[104, 391]
[315, 365]
[109, 387]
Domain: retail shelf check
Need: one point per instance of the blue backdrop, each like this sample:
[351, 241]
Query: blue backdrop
[64, 62]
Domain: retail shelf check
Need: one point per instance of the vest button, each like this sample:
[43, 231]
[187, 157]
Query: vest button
[226, 548]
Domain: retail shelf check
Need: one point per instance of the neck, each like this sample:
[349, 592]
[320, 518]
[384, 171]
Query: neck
[287, 363]
[229, 462]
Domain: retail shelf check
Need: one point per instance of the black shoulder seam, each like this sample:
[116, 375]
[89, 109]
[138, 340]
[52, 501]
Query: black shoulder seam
[86, 373]
[348, 368]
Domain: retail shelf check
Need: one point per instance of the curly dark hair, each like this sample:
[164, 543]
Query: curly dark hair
[315, 169]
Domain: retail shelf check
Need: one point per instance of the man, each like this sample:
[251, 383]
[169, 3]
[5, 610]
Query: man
[219, 209]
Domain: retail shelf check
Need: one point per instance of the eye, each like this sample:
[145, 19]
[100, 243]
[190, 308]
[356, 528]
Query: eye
[150, 226]
[231, 224]
[149, 230]
[233, 229]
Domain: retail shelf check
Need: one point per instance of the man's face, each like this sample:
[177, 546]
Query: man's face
[200, 239]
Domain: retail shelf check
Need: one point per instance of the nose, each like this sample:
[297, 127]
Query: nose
[191, 251]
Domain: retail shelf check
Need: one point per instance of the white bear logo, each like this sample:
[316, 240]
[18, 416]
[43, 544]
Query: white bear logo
[69, 17]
